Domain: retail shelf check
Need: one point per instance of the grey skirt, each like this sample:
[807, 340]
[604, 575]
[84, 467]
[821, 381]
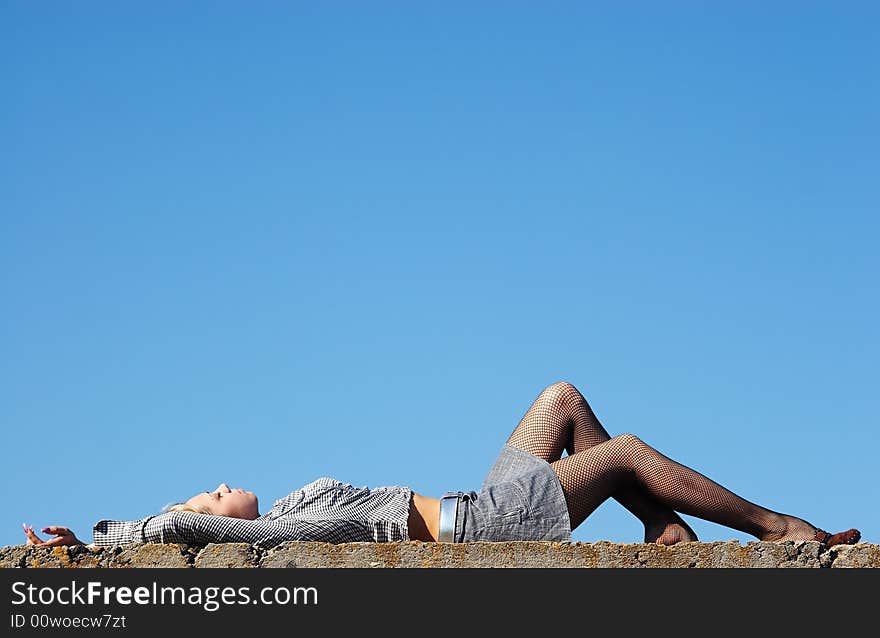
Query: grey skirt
[520, 500]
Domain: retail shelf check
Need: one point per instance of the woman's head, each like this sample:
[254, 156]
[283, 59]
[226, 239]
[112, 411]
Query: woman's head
[222, 501]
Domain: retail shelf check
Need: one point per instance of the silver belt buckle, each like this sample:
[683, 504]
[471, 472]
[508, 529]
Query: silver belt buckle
[448, 512]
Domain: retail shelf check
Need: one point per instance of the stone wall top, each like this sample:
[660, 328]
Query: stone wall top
[414, 554]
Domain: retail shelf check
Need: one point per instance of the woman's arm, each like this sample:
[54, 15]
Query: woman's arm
[200, 529]
[190, 528]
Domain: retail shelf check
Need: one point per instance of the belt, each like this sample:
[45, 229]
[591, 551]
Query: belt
[448, 513]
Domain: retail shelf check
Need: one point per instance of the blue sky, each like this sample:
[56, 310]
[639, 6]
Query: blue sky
[265, 243]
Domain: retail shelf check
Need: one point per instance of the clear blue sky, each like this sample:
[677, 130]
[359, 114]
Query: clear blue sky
[265, 243]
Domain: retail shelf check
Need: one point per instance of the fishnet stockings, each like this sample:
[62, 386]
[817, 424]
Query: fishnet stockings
[649, 484]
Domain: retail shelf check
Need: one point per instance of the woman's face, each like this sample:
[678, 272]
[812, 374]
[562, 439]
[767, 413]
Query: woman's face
[223, 501]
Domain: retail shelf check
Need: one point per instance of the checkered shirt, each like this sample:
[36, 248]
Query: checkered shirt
[325, 510]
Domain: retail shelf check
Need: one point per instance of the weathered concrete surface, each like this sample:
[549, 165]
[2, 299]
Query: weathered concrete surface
[415, 554]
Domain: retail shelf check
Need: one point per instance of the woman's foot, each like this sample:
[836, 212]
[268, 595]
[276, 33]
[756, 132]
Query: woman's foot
[791, 528]
[849, 537]
[669, 532]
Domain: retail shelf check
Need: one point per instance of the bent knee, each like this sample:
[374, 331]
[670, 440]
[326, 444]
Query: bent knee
[561, 389]
[628, 440]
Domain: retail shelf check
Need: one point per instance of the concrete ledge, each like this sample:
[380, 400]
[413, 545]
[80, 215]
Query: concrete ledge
[730, 554]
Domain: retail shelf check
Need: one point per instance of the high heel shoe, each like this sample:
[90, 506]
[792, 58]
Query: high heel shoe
[849, 537]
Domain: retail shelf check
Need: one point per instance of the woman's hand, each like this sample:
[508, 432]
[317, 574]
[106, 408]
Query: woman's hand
[63, 536]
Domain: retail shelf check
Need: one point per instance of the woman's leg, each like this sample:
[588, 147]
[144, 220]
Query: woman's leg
[561, 419]
[592, 475]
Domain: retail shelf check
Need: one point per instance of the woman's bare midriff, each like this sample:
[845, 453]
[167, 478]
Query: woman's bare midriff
[424, 518]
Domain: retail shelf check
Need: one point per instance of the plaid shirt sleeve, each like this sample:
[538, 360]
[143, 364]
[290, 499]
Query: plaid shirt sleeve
[107, 532]
[199, 529]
